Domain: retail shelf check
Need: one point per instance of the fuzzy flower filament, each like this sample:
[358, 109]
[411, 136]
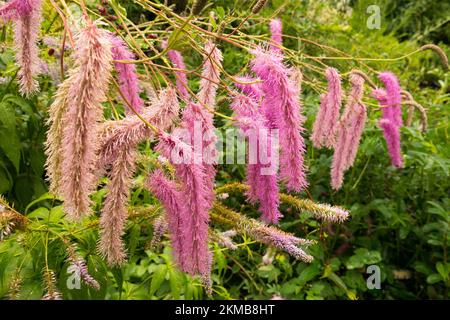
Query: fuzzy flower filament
[349, 133]
[127, 75]
[87, 90]
[27, 23]
[281, 108]
[327, 120]
[391, 121]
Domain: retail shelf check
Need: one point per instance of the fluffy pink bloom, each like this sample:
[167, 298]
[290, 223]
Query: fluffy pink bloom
[181, 79]
[210, 75]
[54, 142]
[172, 199]
[390, 101]
[118, 134]
[199, 123]
[114, 211]
[263, 185]
[196, 257]
[15, 9]
[251, 89]
[128, 79]
[326, 124]
[27, 23]
[119, 150]
[393, 97]
[281, 107]
[276, 35]
[349, 132]
[89, 81]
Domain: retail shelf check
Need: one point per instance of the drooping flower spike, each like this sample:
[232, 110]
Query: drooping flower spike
[327, 119]
[172, 199]
[210, 75]
[196, 257]
[127, 75]
[262, 165]
[180, 77]
[199, 123]
[349, 133]
[281, 107]
[88, 84]
[26, 16]
[390, 100]
[276, 35]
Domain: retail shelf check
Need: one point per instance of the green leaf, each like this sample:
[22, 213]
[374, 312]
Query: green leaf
[158, 278]
[434, 278]
[9, 141]
[39, 213]
[442, 270]
[309, 273]
[118, 276]
[363, 257]
[5, 183]
[134, 238]
[45, 196]
[176, 281]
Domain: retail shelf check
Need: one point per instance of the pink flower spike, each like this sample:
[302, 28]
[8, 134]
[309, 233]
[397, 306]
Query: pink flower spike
[350, 130]
[210, 74]
[263, 185]
[196, 258]
[390, 102]
[180, 76]
[114, 211]
[251, 89]
[89, 81]
[15, 9]
[326, 123]
[281, 107]
[276, 35]
[27, 23]
[128, 79]
[172, 199]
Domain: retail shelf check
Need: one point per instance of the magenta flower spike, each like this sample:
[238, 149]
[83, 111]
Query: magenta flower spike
[210, 75]
[276, 35]
[281, 108]
[199, 123]
[172, 199]
[196, 257]
[263, 185]
[128, 80]
[326, 123]
[349, 133]
[390, 102]
[180, 76]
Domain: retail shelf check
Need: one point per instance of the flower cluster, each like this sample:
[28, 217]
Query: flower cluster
[82, 147]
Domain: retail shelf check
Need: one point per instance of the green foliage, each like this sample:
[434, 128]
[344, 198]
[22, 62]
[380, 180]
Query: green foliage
[22, 133]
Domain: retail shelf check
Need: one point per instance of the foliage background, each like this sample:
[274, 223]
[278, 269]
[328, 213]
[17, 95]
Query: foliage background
[399, 218]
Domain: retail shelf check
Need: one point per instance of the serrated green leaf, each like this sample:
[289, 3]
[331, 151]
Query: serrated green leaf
[158, 278]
